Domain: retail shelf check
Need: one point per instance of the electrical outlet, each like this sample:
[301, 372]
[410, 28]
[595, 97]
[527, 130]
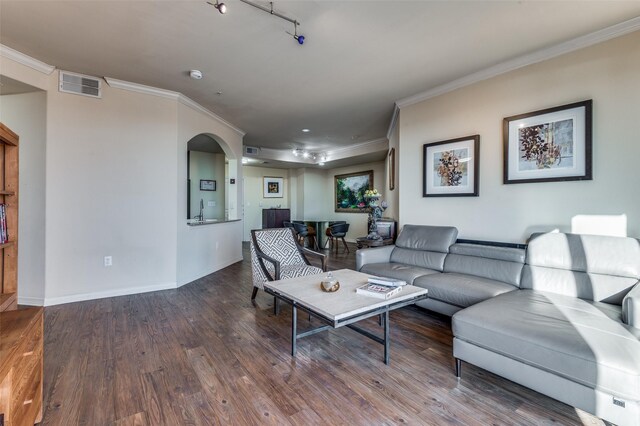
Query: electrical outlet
[108, 261]
[211, 204]
[217, 245]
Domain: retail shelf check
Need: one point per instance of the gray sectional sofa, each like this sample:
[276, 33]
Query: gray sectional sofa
[561, 317]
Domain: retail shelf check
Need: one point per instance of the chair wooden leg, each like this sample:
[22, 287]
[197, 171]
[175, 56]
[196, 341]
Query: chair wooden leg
[255, 291]
[346, 247]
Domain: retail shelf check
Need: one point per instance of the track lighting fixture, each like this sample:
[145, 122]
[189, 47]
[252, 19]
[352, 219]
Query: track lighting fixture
[299, 38]
[319, 157]
[222, 8]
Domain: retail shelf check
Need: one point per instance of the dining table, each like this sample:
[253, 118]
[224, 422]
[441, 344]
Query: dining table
[320, 225]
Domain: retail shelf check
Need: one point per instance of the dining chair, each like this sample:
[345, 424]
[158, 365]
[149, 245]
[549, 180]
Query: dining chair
[327, 232]
[337, 232]
[306, 232]
[276, 255]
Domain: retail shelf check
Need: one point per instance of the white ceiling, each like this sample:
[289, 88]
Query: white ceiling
[358, 59]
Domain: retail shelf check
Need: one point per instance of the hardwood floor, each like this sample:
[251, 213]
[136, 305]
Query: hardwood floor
[205, 355]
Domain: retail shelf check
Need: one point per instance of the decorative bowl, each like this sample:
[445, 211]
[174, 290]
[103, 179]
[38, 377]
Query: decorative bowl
[330, 286]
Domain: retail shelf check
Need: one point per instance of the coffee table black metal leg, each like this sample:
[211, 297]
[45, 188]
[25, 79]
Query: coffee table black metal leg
[386, 337]
[294, 325]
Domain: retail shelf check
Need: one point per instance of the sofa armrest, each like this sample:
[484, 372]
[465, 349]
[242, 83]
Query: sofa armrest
[373, 255]
[631, 307]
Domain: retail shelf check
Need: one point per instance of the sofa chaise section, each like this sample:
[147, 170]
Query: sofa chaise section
[570, 331]
[472, 273]
[419, 250]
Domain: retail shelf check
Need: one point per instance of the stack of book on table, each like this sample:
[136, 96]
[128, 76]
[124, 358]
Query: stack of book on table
[381, 288]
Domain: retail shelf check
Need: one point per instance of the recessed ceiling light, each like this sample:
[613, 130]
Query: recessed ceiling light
[306, 130]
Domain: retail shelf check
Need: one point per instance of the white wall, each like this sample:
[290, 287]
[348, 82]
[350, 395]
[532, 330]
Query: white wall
[204, 249]
[26, 114]
[607, 73]
[254, 200]
[317, 198]
[111, 191]
[209, 166]
[116, 185]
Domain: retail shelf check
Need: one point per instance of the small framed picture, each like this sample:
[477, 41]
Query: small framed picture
[273, 187]
[207, 185]
[392, 169]
[451, 168]
[549, 145]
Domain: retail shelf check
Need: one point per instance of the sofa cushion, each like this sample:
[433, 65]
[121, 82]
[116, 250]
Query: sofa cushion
[460, 289]
[495, 263]
[398, 271]
[596, 254]
[419, 258]
[580, 340]
[591, 267]
[424, 246]
[596, 287]
[429, 238]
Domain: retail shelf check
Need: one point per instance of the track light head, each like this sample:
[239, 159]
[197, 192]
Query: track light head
[222, 8]
[299, 38]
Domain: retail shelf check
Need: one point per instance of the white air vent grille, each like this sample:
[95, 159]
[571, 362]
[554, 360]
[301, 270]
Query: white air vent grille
[250, 150]
[79, 84]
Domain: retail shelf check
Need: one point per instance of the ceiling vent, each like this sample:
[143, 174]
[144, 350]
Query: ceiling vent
[79, 84]
[250, 150]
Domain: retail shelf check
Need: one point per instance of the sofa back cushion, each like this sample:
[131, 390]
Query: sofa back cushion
[591, 267]
[424, 246]
[502, 264]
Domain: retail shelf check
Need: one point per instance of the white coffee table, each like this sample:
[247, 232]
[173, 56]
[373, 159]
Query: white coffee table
[341, 308]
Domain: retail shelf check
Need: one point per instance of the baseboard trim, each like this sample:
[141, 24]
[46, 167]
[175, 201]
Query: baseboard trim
[31, 301]
[51, 301]
[208, 271]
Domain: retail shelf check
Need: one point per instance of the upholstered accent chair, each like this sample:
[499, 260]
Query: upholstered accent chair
[276, 255]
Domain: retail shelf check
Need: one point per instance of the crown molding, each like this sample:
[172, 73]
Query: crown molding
[21, 58]
[569, 46]
[373, 145]
[193, 104]
[141, 88]
[154, 91]
[394, 121]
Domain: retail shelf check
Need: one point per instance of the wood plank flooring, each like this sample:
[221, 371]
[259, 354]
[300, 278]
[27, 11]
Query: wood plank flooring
[205, 355]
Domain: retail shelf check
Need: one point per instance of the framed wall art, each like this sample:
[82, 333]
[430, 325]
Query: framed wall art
[349, 191]
[549, 145]
[392, 169]
[273, 187]
[451, 168]
[207, 185]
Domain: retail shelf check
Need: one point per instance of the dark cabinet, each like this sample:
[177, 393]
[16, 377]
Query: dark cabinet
[273, 218]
